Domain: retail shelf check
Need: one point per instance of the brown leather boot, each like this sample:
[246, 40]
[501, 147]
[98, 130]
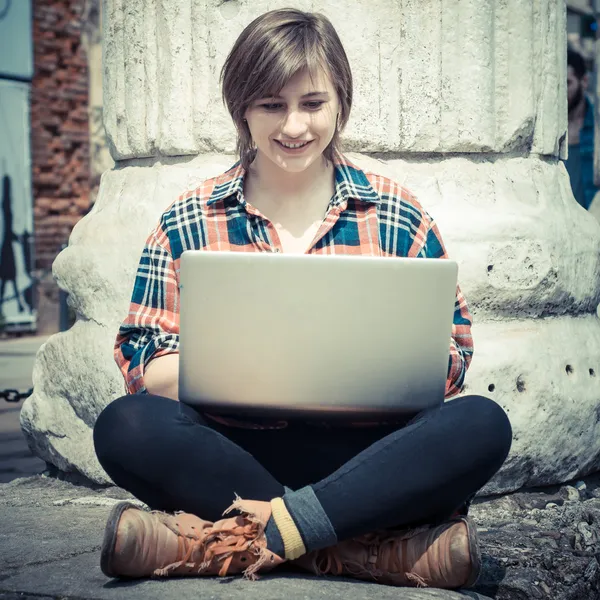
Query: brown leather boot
[138, 543]
[446, 556]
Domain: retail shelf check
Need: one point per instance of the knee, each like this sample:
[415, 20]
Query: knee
[114, 424]
[490, 420]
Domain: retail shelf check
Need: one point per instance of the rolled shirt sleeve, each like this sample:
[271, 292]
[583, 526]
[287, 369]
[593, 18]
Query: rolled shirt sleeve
[151, 327]
[461, 341]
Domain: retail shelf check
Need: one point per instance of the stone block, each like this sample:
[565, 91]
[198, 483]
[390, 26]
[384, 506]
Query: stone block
[452, 76]
[545, 373]
[524, 245]
[75, 375]
[536, 333]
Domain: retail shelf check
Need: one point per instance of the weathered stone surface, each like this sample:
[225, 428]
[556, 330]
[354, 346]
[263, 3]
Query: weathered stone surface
[421, 84]
[73, 378]
[535, 545]
[544, 372]
[509, 222]
[541, 545]
[75, 375]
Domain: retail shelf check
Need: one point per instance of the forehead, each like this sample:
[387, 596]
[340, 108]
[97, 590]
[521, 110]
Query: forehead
[304, 82]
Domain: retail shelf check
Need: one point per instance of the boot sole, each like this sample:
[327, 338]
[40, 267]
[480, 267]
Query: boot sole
[473, 550]
[110, 537]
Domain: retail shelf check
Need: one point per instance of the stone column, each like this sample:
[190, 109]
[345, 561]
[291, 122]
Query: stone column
[462, 101]
[100, 159]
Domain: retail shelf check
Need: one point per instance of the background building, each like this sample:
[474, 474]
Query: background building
[17, 306]
[52, 140]
[581, 27]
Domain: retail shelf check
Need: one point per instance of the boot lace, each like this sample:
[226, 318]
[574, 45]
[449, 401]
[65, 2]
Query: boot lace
[388, 552]
[385, 551]
[220, 546]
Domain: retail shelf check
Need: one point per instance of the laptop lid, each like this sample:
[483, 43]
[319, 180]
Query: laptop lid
[314, 335]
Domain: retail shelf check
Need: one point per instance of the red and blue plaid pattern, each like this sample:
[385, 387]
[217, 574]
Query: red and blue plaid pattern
[368, 215]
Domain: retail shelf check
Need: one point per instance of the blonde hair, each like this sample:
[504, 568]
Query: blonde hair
[268, 53]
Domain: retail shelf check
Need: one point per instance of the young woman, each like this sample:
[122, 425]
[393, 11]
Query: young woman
[380, 502]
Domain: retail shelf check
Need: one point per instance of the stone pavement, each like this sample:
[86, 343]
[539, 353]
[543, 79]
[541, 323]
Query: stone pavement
[16, 365]
[50, 536]
[542, 544]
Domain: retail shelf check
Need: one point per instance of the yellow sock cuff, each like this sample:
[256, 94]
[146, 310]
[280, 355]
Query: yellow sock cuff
[292, 541]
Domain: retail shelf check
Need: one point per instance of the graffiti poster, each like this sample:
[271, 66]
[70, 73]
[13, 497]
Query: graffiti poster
[17, 310]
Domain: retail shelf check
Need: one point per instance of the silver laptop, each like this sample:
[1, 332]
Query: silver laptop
[306, 336]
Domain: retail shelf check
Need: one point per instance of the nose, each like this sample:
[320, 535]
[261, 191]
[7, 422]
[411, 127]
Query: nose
[295, 124]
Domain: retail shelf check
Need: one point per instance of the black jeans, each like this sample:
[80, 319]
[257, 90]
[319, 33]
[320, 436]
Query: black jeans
[172, 458]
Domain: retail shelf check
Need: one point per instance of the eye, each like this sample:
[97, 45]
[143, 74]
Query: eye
[315, 104]
[271, 107]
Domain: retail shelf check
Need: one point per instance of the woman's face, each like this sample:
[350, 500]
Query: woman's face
[294, 128]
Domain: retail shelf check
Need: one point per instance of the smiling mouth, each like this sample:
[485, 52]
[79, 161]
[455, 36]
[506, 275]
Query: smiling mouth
[293, 146]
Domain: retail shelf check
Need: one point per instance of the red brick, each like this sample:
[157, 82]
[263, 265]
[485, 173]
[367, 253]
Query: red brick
[59, 125]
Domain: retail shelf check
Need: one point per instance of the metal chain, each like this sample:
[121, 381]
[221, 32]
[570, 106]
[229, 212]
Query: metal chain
[15, 395]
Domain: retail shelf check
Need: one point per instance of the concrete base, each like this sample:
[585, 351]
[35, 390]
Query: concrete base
[50, 548]
[540, 544]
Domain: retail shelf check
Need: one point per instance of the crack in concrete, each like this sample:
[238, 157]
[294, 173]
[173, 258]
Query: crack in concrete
[61, 436]
[10, 572]
[13, 595]
[87, 318]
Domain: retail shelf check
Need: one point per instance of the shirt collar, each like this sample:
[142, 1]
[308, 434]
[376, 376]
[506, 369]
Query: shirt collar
[350, 182]
[229, 184]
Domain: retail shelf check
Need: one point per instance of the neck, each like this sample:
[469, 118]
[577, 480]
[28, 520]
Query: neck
[577, 113]
[273, 181]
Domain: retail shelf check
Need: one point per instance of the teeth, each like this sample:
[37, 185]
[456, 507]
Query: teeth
[293, 145]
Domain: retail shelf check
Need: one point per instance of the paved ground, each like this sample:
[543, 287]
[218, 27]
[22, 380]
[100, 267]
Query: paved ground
[50, 536]
[16, 364]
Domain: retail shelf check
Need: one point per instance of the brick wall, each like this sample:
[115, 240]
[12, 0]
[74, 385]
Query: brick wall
[59, 125]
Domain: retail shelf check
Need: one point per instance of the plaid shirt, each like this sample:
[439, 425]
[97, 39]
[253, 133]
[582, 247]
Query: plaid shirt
[368, 215]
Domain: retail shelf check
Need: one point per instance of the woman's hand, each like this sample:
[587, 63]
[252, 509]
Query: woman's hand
[162, 376]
